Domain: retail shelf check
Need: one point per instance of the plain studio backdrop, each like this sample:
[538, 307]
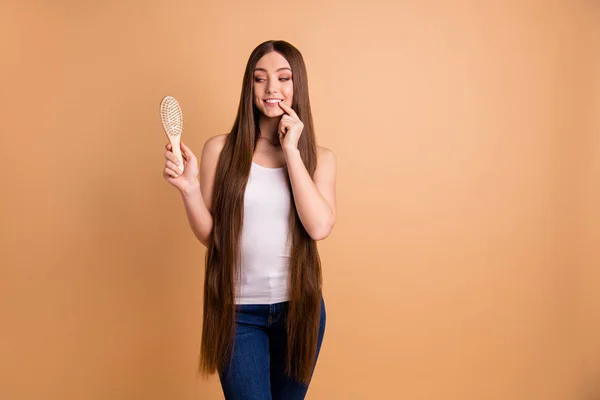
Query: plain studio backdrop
[464, 262]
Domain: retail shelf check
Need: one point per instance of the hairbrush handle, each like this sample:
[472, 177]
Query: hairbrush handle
[176, 148]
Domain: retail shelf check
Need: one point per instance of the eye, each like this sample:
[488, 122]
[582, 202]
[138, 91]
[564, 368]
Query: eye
[284, 79]
[258, 79]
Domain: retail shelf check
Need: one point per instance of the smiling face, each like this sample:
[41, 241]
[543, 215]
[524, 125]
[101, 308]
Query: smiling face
[272, 83]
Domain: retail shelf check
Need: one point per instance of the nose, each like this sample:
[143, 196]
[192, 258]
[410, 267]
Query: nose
[272, 86]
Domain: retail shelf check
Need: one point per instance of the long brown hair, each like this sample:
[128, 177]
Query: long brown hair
[222, 256]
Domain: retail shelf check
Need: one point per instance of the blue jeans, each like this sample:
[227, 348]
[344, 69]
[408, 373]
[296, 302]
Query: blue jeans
[257, 369]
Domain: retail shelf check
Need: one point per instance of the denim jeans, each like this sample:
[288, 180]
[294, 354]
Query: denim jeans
[257, 369]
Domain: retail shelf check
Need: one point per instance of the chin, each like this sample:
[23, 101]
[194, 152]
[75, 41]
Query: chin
[272, 114]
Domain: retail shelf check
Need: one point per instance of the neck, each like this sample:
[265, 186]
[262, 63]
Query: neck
[268, 129]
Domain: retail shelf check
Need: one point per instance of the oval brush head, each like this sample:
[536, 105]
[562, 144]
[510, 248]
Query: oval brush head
[171, 116]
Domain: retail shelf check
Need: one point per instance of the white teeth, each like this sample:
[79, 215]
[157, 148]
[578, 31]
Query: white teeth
[272, 101]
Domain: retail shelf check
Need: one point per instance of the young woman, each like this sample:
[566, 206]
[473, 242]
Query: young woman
[265, 195]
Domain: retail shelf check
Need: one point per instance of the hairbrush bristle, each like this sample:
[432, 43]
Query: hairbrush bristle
[171, 116]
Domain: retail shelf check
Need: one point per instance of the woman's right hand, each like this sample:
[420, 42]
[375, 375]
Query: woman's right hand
[172, 173]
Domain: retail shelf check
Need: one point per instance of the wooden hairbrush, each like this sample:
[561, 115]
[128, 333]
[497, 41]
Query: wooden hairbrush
[171, 116]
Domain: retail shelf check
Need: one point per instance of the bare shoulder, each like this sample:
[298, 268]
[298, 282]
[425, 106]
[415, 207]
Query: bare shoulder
[325, 157]
[215, 144]
[326, 166]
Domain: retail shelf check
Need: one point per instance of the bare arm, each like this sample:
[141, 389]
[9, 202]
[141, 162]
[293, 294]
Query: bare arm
[199, 218]
[197, 197]
[314, 198]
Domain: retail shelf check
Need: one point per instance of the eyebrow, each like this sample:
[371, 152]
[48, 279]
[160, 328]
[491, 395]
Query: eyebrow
[280, 69]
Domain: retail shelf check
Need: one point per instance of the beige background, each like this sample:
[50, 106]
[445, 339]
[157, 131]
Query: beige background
[464, 263]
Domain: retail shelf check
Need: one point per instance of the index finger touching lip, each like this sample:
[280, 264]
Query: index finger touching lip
[286, 108]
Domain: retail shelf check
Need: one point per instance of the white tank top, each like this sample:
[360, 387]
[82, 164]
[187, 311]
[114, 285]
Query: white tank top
[265, 243]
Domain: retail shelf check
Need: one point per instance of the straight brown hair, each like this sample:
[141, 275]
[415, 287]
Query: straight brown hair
[222, 256]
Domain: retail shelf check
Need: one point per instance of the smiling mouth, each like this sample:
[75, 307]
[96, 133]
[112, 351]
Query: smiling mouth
[273, 103]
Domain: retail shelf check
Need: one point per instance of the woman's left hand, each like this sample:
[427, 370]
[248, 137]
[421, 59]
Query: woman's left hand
[290, 128]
